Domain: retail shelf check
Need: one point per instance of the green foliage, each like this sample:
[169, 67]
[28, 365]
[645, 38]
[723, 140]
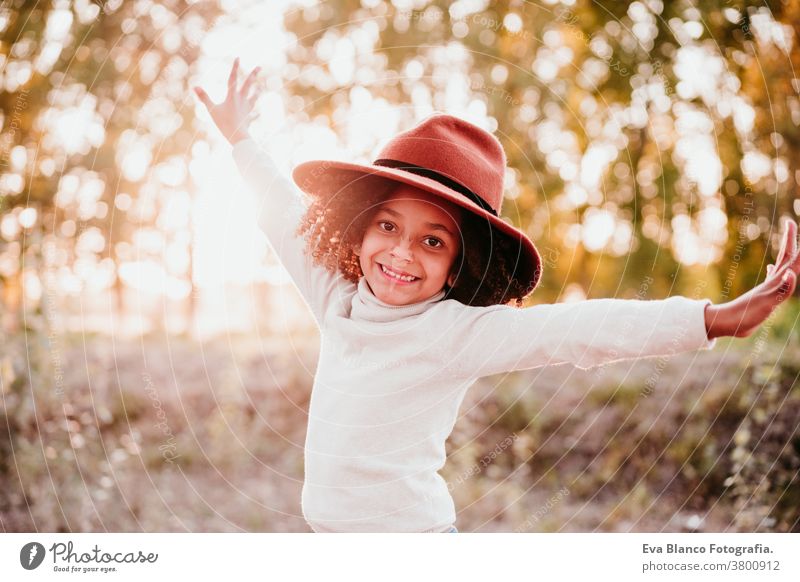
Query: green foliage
[84, 85]
[766, 455]
[724, 447]
[511, 49]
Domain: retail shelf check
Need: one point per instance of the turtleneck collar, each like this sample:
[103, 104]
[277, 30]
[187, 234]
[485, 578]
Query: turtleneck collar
[366, 306]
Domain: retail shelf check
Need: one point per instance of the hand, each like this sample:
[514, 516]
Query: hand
[233, 115]
[743, 315]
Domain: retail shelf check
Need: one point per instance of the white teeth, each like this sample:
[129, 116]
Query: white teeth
[395, 275]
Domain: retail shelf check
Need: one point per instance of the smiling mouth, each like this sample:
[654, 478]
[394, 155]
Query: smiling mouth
[404, 281]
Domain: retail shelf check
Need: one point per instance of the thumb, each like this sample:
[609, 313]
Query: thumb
[204, 98]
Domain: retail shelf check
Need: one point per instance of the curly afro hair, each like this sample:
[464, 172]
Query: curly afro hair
[335, 222]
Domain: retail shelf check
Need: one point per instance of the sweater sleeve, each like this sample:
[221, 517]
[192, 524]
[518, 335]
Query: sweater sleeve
[587, 333]
[280, 209]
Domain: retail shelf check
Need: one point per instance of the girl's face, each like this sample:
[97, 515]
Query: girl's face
[415, 234]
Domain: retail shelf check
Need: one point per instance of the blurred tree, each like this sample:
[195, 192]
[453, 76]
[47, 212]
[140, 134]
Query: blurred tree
[93, 138]
[661, 131]
[94, 134]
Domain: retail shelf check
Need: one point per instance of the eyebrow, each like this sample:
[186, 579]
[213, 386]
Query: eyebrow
[431, 225]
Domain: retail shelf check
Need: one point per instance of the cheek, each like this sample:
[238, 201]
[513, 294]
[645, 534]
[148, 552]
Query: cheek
[446, 266]
[365, 246]
[452, 266]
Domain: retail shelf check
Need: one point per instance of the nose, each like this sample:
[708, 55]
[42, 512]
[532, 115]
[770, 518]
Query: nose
[402, 252]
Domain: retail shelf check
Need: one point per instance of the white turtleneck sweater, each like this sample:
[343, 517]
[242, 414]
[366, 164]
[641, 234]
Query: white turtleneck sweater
[390, 380]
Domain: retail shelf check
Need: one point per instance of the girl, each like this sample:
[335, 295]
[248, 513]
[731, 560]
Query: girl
[417, 285]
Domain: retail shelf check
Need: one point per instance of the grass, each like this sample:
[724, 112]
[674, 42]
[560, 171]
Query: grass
[178, 436]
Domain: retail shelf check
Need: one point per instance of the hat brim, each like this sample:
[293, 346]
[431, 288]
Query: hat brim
[322, 177]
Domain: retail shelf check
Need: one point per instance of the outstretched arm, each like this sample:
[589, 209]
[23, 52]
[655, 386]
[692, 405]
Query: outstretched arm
[500, 338]
[742, 316]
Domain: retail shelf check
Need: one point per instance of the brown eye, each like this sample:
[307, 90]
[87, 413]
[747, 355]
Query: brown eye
[382, 222]
[439, 244]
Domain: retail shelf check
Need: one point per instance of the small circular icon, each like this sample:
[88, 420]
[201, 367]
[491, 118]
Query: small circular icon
[31, 555]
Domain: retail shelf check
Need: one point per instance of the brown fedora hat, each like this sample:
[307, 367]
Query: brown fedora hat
[448, 157]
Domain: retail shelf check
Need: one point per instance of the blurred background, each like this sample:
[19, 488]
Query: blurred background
[156, 363]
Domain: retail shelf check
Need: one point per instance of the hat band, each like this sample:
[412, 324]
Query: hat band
[441, 178]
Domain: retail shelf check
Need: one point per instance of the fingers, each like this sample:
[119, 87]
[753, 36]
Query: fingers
[251, 101]
[233, 76]
[249, 82]
[791, 236]
[775, 271]
[234, 73]
[784, 273]
[792, 256]
[782, 285]
[204, 98]
[773, 281]
[788, 242]
[788, 258]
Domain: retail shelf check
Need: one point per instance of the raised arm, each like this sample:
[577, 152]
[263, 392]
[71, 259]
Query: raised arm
[280, 205]
[588, 333]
